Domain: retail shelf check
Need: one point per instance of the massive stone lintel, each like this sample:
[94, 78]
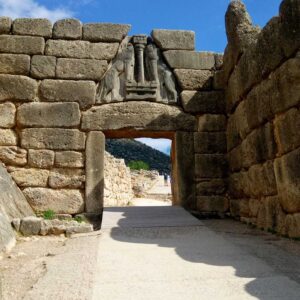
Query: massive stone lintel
[138, 73]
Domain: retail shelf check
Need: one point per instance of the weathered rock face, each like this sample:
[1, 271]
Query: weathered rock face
[7, 235]
[262, 95]
[13, 204]
[117, 182]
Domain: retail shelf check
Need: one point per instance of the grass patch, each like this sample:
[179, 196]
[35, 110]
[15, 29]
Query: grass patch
[48, 214]
[79, 219]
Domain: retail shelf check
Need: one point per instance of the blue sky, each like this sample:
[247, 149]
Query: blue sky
[205, 17]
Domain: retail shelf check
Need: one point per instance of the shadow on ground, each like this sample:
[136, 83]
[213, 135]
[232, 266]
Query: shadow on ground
[262, 257]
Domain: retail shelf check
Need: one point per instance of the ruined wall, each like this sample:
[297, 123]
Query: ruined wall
[262, 74]
[58, 83]
[117, 182]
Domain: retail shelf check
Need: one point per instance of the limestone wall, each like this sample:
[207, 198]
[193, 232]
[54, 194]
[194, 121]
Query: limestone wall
[117, 182]
[49, 81]
[262, 74]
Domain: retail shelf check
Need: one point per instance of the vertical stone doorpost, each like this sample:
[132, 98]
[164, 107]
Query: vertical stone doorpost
[94, 186]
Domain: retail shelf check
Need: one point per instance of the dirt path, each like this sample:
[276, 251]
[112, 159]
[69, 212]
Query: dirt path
[158, 195]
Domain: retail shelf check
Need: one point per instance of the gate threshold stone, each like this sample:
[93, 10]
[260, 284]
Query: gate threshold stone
[147, 217]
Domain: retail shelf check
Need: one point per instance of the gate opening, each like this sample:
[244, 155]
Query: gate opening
[139, 171]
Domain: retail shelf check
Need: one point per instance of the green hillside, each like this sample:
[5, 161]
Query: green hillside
[132, 150]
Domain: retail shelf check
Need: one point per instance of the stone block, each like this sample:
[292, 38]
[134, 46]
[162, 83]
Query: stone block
[7, 115]
[194, 79]
[105, 32]
[13, 204]
[48, 115]
[210, 102]
[52, 139]
[213, 204]
[287, 81]
[268, 46]
[254, 206]
[83, 92]
[259, 146]
[261, 180]
[15, 64]
[290, 28]
[16, 223]
[69, 159]
[8, 137]
[237, 185]
[22, 44]
[13, 155]
[241, 34]
[185, 170]
[5, 25]
[210, 165]
[66, 178]
[138, 114]
[235, 158]
[29, 177]
[69, 68]
[293, 225]
[64, 201]
[83, 228]
[94, 189]
[43, 66]
[211, 187]
[219, 82]
[35, 27]
[81, 49]
[211, 123]
[179, 59]
[287, 127]
[30, 225]
[40, 158]
[239, 207]
[287, 174]
[174, 39]
[68, 29]
[219, 61]
[210, 142]
[267, 214]
[15, 87]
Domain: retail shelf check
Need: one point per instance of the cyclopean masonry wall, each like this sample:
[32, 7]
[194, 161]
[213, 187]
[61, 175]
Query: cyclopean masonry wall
[262, 71]
[63, 89]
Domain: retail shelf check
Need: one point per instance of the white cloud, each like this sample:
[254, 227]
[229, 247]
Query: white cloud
[162, 145]
[31, 8]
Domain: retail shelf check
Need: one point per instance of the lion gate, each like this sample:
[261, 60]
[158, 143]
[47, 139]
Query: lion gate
[233, 119]
[65, 88]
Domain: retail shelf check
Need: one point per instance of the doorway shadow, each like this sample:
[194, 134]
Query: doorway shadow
[173, 227]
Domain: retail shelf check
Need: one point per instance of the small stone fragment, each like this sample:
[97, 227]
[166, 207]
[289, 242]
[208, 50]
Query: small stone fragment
[30, 226]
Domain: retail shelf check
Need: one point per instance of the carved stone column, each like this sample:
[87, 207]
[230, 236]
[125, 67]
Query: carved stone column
[140, 42]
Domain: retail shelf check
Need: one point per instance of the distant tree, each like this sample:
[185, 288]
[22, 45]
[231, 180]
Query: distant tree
[138, 165]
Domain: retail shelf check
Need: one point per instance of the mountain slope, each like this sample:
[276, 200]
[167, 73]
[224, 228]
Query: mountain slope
[130, 149]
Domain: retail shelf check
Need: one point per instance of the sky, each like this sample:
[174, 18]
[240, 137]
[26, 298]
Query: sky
[205, 17]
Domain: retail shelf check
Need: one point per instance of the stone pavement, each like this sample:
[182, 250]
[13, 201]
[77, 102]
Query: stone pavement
[165, 253]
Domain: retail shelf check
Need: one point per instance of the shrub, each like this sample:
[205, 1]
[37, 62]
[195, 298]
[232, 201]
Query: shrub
[138, 165]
